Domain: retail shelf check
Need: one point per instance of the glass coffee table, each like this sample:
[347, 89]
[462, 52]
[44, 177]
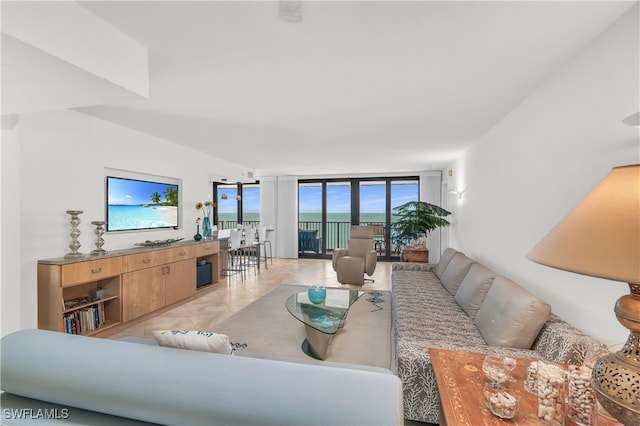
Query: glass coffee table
[321, 320]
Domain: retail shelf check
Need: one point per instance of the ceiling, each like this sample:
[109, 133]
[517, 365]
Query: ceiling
[363, 87]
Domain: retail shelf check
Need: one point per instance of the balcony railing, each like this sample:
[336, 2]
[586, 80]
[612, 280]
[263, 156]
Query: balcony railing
[338, 234]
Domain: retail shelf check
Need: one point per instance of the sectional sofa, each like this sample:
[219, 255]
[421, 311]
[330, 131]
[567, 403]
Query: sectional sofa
[459, 304]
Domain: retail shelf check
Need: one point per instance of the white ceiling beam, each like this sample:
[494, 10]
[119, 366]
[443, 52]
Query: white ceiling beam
[68, 31]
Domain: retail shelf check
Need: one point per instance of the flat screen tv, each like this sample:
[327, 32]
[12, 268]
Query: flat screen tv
[134, 204]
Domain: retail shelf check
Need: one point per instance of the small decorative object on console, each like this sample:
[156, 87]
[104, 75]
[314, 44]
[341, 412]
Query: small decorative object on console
[207, 209]
[99, 231]
[74, 234]
[101, 292]
[317, 293]
[157, 243]
[198, 236]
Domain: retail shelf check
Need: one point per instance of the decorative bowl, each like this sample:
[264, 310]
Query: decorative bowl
[317, 293]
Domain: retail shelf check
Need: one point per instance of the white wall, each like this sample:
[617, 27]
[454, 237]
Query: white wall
[535, 165]
[10, 312]
[57, 162]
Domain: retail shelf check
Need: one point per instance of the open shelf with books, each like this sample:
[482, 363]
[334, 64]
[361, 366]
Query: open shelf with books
[91, 307]
[93, 294]
[80, 298]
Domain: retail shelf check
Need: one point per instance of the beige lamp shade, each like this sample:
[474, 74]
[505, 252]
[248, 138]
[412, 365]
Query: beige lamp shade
[601, 235]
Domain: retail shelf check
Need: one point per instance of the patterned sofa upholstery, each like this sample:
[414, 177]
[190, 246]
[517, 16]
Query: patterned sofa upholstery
[426, 315]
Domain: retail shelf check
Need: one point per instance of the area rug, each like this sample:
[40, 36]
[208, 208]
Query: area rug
[266, 327]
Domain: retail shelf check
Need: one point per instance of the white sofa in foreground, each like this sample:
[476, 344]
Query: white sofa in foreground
[84, 380]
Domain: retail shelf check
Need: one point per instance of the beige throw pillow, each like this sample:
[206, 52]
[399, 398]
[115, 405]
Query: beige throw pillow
[204, 341]
[474, 288]
[445, 258]
[455, 272]
[510, 315]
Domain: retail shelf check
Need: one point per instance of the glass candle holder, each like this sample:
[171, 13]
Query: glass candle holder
[582, 399]
[498, 368]
[551, 392]
[500, 400]
[531, 378]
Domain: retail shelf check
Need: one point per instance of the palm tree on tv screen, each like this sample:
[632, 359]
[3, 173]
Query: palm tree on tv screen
[171, 195]
[155, 198]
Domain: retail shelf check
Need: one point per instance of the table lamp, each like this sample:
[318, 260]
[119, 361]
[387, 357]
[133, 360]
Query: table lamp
[600, 237]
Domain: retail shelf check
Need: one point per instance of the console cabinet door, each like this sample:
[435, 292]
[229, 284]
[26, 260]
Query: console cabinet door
[180, 280]
[143, 291]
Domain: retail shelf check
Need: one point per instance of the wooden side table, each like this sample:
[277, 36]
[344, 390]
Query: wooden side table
[460, 380]
[416, 254]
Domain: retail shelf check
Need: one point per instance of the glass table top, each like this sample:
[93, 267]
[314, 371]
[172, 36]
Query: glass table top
[327, 316]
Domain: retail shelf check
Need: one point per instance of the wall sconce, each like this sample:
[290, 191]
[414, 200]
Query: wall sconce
[633, 120]
[290, 10]
[224, 196]
[457, 193]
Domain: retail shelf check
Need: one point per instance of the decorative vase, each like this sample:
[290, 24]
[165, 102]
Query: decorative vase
[317, 293]
[206, 228]
[197, 237]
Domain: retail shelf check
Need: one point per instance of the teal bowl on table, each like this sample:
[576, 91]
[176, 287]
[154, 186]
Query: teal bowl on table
[317, 293]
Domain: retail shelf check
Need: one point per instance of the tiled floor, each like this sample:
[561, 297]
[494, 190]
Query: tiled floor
[232, 294]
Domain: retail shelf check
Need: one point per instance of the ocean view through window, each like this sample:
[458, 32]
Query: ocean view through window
[327, 208]
[237, 203]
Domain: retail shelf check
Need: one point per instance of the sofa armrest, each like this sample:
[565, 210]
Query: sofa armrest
[559, 341]
[337, 254]
[412, 266]
[370, 262]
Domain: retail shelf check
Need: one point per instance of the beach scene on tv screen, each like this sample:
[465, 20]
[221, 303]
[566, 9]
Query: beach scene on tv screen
[134, 204]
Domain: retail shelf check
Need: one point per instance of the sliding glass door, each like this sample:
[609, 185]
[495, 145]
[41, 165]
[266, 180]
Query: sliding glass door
[327, 208]
[324, 216]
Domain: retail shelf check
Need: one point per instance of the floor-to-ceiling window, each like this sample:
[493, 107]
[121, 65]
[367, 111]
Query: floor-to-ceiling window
[327, 208]
[251, 204]
[236, 203]
[402, 191]
[373, 209]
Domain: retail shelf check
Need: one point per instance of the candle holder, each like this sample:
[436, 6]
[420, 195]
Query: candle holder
[99, 231]
[75, 233]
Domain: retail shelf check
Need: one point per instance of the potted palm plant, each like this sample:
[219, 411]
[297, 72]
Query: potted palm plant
[415, 220]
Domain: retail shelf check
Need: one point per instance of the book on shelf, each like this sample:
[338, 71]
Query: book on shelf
[84, 319]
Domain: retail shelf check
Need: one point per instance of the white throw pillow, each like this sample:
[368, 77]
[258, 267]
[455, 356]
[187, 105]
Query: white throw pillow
[205, 341]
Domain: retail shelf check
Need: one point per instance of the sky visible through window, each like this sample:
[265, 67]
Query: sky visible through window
[339, 199]
[250, 200]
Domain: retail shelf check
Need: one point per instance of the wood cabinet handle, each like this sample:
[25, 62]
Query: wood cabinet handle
[96, 271]
[147, 260]
[168, 270]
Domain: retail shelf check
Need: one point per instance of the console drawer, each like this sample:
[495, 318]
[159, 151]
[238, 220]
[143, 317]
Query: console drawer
[90, 271]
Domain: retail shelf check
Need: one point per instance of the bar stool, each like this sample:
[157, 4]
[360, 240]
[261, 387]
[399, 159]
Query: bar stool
[263, 241]
[251, 249]
[236, 262]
